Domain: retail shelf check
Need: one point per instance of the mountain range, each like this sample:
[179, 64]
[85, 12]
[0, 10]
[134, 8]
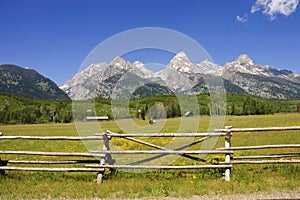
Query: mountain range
[122, 79]
[28, 83]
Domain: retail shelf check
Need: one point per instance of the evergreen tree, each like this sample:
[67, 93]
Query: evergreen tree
[143, 114]
[4, 114]
[245, 108]
[233, 109]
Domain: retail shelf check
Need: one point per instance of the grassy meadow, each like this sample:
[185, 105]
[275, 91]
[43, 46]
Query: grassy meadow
[178, 183]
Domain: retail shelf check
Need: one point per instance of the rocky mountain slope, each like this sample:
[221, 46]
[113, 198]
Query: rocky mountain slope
[28, 83]
[263, 81]
[121, 77]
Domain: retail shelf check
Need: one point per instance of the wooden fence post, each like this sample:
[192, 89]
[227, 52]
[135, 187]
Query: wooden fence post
[2, 163]
[107, 157]
[2, 172]
[227, 156]
[106, 147]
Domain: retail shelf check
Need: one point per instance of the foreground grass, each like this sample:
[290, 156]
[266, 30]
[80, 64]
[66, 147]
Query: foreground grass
[184, 183]
[245, 180]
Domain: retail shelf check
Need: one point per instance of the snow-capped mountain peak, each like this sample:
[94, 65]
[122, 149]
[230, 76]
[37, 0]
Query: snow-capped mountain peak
[208, 67]
[181, 63]
[243, 64]
[138, 64]
[181, 55]
[139, 68]
[118, 62]
[244, 60]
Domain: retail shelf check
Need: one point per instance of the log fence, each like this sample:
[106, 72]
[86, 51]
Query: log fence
[271, 159]
[104, 159]
[4, 163]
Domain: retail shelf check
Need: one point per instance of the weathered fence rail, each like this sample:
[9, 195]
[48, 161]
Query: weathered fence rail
[104, 159]
[52, 169]
[163, 167]
[97, 137]
[112, 134]
[263, 147]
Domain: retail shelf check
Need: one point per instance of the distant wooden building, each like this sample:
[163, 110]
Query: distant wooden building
[96, 118]
[189, 114]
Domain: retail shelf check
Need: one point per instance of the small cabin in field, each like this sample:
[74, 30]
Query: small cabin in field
[189, 114]
[96, 118]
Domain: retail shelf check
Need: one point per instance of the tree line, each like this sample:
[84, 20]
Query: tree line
[19, 110]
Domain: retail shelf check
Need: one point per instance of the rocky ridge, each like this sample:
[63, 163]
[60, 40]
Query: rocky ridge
[180, 76]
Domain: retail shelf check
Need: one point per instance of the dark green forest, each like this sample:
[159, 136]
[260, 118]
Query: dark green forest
[20, 110]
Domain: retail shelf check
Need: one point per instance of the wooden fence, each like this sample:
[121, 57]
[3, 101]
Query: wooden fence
[103, 159]
[271, 159]
[4, 163]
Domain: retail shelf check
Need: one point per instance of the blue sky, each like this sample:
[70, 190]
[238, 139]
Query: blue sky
[54, 36]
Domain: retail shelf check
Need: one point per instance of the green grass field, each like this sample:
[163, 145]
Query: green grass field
[183, 183]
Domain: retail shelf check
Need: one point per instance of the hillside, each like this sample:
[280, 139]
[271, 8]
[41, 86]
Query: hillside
[28, 83]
